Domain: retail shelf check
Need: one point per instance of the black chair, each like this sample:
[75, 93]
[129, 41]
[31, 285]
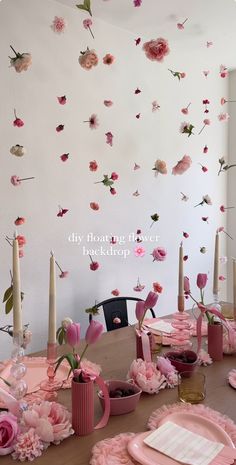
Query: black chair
[116, 307]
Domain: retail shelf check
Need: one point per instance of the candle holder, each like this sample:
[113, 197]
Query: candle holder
[18, 388]
[181, 337]
[51, 385]
[216, 301]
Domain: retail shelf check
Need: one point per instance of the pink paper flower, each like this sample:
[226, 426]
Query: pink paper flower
[64, 157]
[17, 121]
[58, 25]
[8, 432]
[115, 292]
[93, 121]
[108, 103]
[88, 59]
[156, 49]
[109, 138]
[137, 3]
[90, 370]
[223, 116]
[222, 278]
[182, 165]
[204, 358]
[21, 62]
[159, 254]
[93, 265]
[28, 446]
[139, 251]
[160, 167]
[19, 221]
[94, 206]
[62, 100]
[146, 376]
[108, 59]
[93, 166]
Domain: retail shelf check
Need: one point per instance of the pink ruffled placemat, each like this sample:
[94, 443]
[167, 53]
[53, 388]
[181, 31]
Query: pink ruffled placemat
[113, 451]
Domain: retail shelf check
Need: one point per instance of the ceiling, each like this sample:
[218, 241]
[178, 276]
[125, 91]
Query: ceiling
[212, 20]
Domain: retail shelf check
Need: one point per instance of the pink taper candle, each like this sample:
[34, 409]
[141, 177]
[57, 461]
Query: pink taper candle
[17, 311]
[181, 279]
[216, 266]
[52, 303]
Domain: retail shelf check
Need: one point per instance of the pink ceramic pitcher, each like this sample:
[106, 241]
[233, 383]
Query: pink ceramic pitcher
[83, 406]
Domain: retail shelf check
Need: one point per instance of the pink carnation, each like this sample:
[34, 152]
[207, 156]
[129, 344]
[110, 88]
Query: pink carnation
[159, 254]
[182, 165]
[58, 25]
[28, 446]
[146, 376]
[156, 49]
[204, 358]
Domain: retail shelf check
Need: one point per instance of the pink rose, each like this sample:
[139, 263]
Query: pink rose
[8, 432]
[21, 62]
[156, 49]
[159, 254]
[88, 59]
[182, 165]
[93, 166]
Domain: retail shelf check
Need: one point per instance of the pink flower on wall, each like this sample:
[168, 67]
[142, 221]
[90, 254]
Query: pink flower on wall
[223, 71]
[93, 121]
[16, 181]
[204, 168]
[88, 59]
[60, 128]
[19, 221]
[108, 103]
[21, 62]
[223, 117]
[115, 292]
[58, 25]
[180, 26]
[108, 59]
[185, 109]
[155, 106]
[28, 447]
[159, 254]
[139, 251]
[109, 138]
[94, 206]
[160, 167]
[62, 211]
[137, 3]
[93, 166]
[157, 49]
[62, 100]
[186, 128]
[206, 122]
[182, 165]
[87, 23]
[205, 149]
[17, 121]
[93, 265]
[137, 41]
[139, 287]
[64, 157]
[137, 91]
[157, 287]
[179, 74]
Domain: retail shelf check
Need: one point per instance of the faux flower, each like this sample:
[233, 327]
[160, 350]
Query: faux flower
[159, 254]
[93, 166]
[204, 168]
[223, 101]
[87, 23]
[206, 102]
[138, 115]
[186, 128]
[185, 198]
[21, 62]
[63, 274]
[8, 432]
[60, 128]
[146, 376]
[16, 181]
[157, 287]
[17, 121]
[108, 59]
[222, 229]
[109, 138]
[109, 181]
[86, 6]
[108, 103]
[137, 41]
[206, 122]
[182, 165]
[160, 167]
[179, 74]
[88, 59]
[93, 121]
[136, 193]
[115, 292]
[58, 25]
[206, 73]
[137, 3]
[21, 240]
[64, 157]
[136, 167]
[19, 221]
[180, 26]
[157, 49]
[155, 106]
[185, 109]
[205, 149]
[93, 265]
[186, 235]
[62, 211]
[62, 100]
[28, 446]
[203, 249]
[116, 321]
[204, 358]
[223, 208]
[18, 150]
[209, 44]
[94, 206]
[205, 199]
[223, 71]
[137, 91]
[222, 278]
[155, 217]
[223, 116]
[139, 287]
[139, 251]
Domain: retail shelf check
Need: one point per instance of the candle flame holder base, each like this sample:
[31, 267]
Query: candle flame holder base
[182, 334]
[52, 384]
[18, 386]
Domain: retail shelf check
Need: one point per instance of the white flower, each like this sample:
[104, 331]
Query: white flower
[66, 322]
[18, 150]
[206, 199]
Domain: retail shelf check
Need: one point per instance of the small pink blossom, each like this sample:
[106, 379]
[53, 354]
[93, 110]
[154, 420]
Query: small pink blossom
[156, 49]
[204, 168]
[137, 3]
[157, 287]
[205, 149]
[116, 320]
[87, 23]
[139, 287]
[222, 278]
[58, 25]
[223, 101]
[21, 240]
[114, 176]
[137, 91]
[17, 121]
[186, 235]
[93, 121]
[21, 61]
[115, 292]
[15, 180]
[180, 26]
[64, 157]
[88, 59]
[93, 166]
[182, 165]
[159, 254]
[223, 116]
[19, 221]
[60, 128]
[94, 266]
[62, 100]
[155, 106]
[94, 206]
[108, 59]
[204, 358]
[108, 103]
[206, 73]
[109, 138]
[160, 167]
[8, 432]
[63, 274]
[112, 191]
[139, 251]
[223, 71]
[184, 111]
[206, 122]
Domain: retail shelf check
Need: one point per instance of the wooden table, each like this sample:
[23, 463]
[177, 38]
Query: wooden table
[115, 352]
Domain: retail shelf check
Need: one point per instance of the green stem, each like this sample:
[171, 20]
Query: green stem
[6, 382]
[14, 51]
[83, 353]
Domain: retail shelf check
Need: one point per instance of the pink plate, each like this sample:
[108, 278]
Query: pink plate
[197, 424]
[232, 378]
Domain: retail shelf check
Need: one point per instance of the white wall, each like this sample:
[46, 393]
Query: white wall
[55, 71]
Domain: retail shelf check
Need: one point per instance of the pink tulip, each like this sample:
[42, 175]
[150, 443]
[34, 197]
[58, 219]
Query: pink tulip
[93, 332]
[140, 310]
[73, 334]
[151, 299]
[201, 280]
[186, 285]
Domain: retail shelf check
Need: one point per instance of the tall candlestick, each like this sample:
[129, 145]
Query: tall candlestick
[234, 287]
[216, 267]
[52, 303]
[17, 311]
[181, 279]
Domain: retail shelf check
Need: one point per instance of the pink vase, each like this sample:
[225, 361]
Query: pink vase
[215, 341]
[144, 345]
[83, 406]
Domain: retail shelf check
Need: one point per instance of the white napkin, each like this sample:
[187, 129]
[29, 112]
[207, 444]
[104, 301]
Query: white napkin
[183, 445]
[161, 326]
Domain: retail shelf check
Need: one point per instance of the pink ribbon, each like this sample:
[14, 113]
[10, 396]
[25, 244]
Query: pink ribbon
[145, 341]
[107, 405]
[203, 310]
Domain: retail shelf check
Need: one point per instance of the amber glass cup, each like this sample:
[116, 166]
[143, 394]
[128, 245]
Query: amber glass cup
[191, 387]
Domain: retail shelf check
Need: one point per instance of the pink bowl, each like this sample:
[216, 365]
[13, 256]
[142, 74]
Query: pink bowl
[121, 405]
[183, 366]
